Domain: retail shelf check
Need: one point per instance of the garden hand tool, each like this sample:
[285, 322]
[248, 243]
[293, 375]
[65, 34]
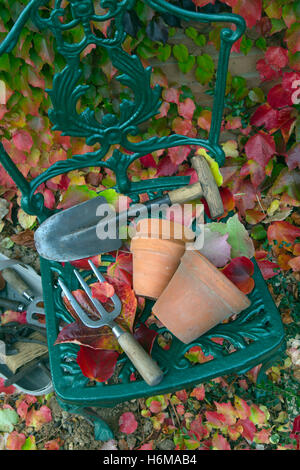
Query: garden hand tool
[72, 234]
[14, 279]
[9, 304]
[145, 365]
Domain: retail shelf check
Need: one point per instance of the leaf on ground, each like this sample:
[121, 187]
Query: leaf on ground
[260, 147]
[15, 441]
[127, 423]
[36, 418]
[8, 419]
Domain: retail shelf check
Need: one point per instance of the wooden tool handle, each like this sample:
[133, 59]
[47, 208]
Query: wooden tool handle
[145, 365]
[14, 279]
[186, 193]
[209, 186]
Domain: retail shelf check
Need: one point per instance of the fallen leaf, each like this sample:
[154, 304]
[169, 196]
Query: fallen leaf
[127, 423]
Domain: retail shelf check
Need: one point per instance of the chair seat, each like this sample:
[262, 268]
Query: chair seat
[255, 337]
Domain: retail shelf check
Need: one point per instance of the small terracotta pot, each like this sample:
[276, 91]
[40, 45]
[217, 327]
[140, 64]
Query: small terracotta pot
[197, 298]
[157, 249]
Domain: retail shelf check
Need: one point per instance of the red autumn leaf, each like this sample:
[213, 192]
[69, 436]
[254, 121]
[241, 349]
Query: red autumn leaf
[148, 161]
[217, 419]
[277, 57]
[179, 154]
[198, 429]
[256, 172]
[146, 337]
[198, 392]
[22, 140]
[265, 116]
[278, 96]
[220, 443]
[249, 428]
[15, 441]
[239, 271]
[127, 423]
[296, 424]
[266, 72]
[294, 263]
[250, 11]
[121, 269]
[166, 167]
[292, 157]
[36, 418]
[182, 395]
[7, 390]
[97, 364]
[204, 119]
[283, 232]
[186, 108]
[260, 147]
[148, 446]
[54, 444]
[83, 263]
[171, 95]
[268, 268]
[183, 127]
[102, 291]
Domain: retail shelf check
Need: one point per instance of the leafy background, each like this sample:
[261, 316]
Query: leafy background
[261, 184]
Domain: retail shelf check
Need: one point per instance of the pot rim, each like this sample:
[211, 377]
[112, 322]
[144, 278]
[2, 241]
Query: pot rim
[162, 226]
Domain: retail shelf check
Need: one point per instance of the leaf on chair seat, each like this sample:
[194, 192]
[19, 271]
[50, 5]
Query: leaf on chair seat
[97, 365]
[240, 271]
[99, 338]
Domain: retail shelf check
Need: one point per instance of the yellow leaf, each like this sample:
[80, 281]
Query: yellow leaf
[213, 166]
[26, 221]
[2, 92]
[274, 206]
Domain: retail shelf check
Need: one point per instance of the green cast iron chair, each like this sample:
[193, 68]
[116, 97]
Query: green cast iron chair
[256, 336]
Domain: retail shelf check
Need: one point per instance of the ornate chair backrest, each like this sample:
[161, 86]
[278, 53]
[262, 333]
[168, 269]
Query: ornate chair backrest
[114, 129]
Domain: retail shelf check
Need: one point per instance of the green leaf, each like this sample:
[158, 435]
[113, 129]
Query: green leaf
[8, 419]
[277, 25]
[164, 52]
[5, 63]
[246, 45]
[191, 32]
[200, 40]
[238, 237]
[185, 67]
[206, 69]
[261, 43]
[181, 53]
[257, 95]
[258, 232]
[29, 443]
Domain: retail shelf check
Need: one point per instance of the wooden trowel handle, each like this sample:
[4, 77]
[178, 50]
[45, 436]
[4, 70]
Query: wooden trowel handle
[14, 279]
[145, 365]
[186, 193]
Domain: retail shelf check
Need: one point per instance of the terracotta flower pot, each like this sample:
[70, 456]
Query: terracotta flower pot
[197, 298]
[157, 249]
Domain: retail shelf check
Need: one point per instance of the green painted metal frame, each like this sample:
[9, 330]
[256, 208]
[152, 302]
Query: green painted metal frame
[257, 335]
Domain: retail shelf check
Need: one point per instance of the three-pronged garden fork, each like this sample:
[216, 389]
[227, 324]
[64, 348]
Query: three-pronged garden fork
[145, 365]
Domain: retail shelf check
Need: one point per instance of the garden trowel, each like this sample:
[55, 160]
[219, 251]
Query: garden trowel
[92, 227]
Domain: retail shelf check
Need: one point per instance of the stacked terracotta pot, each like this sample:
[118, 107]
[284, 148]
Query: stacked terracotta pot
[191, 294]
